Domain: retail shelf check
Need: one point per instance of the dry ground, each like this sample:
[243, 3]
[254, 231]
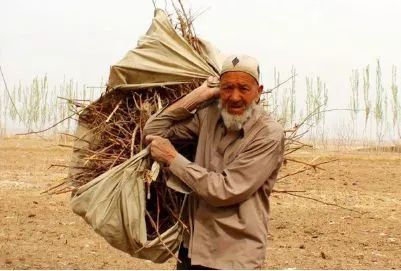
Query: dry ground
[40, 232]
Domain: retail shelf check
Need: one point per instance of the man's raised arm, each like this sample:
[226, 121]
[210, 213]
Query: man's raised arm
[176, 122]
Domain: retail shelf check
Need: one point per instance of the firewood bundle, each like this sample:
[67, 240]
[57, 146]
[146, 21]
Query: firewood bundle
[168, 62]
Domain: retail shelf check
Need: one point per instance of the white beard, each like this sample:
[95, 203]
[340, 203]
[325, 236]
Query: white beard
[236, 122]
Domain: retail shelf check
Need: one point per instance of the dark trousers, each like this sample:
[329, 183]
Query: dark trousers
[186, 262]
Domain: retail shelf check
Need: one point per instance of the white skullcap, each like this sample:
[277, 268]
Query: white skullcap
[241, 63]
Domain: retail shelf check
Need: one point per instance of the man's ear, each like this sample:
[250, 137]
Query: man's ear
[260, 91]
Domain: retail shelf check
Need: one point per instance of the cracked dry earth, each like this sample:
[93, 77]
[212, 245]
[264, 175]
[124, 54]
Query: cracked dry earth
[40, 232]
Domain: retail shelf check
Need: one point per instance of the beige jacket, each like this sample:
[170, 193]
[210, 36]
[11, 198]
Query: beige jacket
[232, 177]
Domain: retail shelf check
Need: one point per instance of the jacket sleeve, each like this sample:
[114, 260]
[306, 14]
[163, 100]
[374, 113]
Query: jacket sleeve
[178, 124]
[239, 180]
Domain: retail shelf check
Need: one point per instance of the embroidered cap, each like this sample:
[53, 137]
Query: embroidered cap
[241, 63]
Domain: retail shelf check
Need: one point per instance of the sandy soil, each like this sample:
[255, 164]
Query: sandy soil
[40, 232]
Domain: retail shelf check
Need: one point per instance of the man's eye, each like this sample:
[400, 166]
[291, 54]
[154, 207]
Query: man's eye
[243, 89]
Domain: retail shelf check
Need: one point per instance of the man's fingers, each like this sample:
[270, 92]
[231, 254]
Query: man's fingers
[212, 79]
[150, 138]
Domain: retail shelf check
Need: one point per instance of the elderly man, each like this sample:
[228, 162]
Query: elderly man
[238, 155]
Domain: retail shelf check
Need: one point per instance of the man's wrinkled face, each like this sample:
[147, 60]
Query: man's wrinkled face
[238, 90]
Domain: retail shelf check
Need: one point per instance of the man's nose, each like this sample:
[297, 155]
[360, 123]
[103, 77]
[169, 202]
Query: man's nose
[235, 96]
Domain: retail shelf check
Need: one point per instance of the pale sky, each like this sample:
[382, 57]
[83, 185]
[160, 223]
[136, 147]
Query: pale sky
[81, 39]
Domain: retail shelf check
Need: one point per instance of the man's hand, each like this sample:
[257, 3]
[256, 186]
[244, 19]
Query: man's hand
[161, 149]
[210, 88]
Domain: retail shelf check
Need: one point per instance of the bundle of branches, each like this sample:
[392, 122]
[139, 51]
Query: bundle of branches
[116, 123]
[113, 133]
